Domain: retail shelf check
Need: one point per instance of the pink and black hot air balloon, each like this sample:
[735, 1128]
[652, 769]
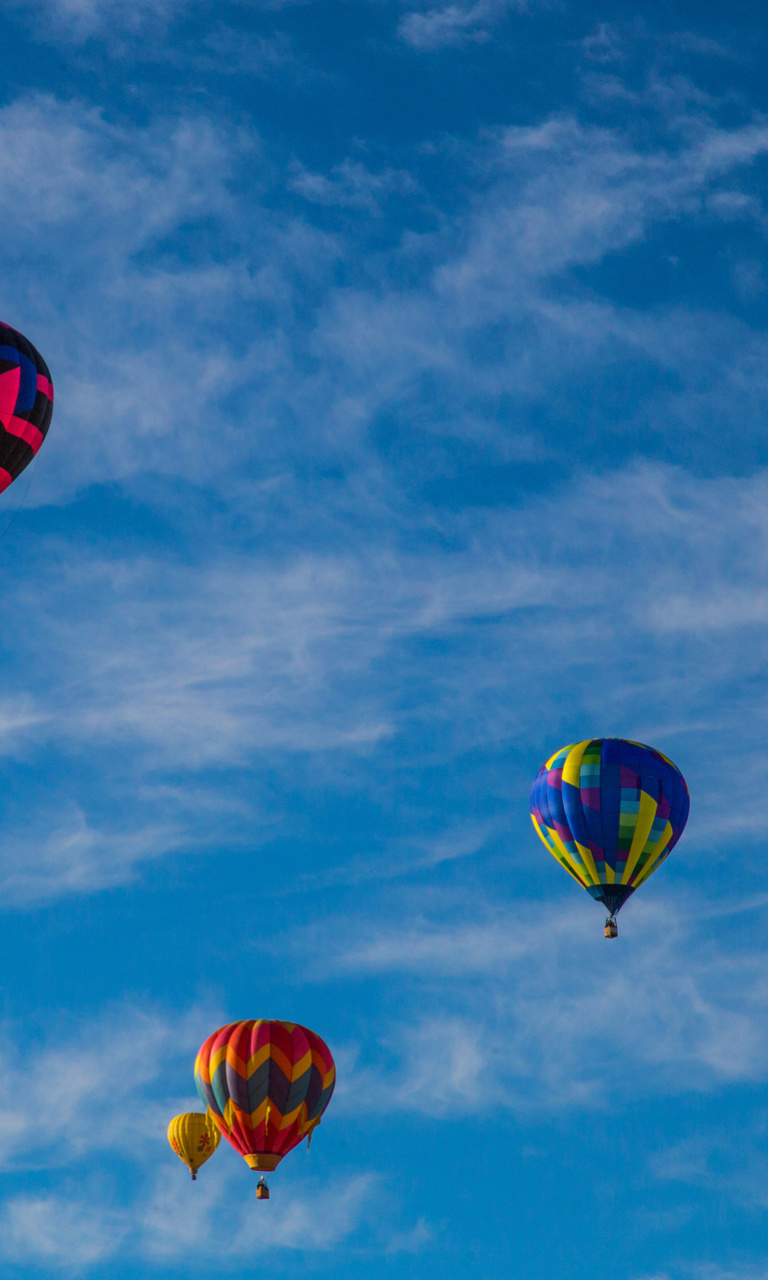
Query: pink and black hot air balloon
[26, 403]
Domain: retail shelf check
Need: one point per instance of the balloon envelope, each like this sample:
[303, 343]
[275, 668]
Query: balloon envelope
[194, 1139]
[266, 1084]
[610, 811]
[26, 403]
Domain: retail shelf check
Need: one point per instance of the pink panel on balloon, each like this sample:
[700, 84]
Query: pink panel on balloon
[25, 431]
[9, 393]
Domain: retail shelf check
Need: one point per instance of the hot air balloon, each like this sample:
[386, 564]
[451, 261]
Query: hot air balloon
[26, 403]
[194, 1138]
[266, 1084]
[610, 811]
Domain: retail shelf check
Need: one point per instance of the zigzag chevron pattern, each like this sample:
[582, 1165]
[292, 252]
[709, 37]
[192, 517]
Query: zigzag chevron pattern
[26, 403]
[266, 1084]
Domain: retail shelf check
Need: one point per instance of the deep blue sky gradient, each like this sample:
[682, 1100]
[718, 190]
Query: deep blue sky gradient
[410, 423]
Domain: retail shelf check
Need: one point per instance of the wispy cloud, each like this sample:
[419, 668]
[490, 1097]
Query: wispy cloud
[172, 1228]
[78, 21]
[75, 857]
[52, 1231]
[324, 654]
[358, 614]
[493, 1024]
[352, 185]
[89, 1075]
[551, 199]
[82, 20]
[455, 24]
[108, 1088]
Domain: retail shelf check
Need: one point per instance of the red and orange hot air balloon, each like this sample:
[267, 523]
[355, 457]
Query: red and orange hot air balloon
[266, 1084]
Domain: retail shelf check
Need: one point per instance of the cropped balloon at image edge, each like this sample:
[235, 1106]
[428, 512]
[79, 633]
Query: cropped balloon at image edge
[26, 403]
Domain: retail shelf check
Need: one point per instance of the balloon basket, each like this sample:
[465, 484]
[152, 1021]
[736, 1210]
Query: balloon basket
[263, 1161]
[262, 1190]
[611, 928]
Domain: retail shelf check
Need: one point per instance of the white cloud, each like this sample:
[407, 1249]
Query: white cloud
[70, 1096]
[76, 858]
[351, 185]
[94, 1104]
[184, 663]
[220, 1224]
[189, 667]
[524, 1008]
[81, 20]
[180, 1225]
[455, 24]
[51, 1231]
[127, 325]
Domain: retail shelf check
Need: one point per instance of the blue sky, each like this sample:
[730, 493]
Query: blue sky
[410, 366]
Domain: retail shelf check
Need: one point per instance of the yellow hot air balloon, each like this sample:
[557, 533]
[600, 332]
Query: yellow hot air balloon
[194, 1139]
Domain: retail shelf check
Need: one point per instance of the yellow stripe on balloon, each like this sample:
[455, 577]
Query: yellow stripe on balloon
[589, 861]
[283, 1062]
[290, 1117]
[234, 1060]
[544, 835]
[567, 858]
[201, 1069]
[561, 752]
[645, 819]
[216, 1059]
[258, 1059]
[572, 765]
[658, 851]
[301, 1066]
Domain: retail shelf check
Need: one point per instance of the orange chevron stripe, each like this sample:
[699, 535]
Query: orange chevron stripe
[290, 1116]
[259, 1057]
[256, 1117]
[269, 1051]
[283, 1061]
[216, 1059]
[234, 1060]
[301, 1066]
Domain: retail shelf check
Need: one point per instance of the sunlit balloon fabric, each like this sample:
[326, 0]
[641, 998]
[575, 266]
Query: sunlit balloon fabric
[194, 1138]
[26, 403]
[610, 811]
[266, 1084]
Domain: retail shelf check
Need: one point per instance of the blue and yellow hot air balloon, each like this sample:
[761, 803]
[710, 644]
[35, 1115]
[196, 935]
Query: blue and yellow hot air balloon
[610, 811]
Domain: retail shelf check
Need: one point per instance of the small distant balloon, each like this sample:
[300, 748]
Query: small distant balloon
[194, 1138]
[610, 810]
[26, 403]
[266, 1084]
